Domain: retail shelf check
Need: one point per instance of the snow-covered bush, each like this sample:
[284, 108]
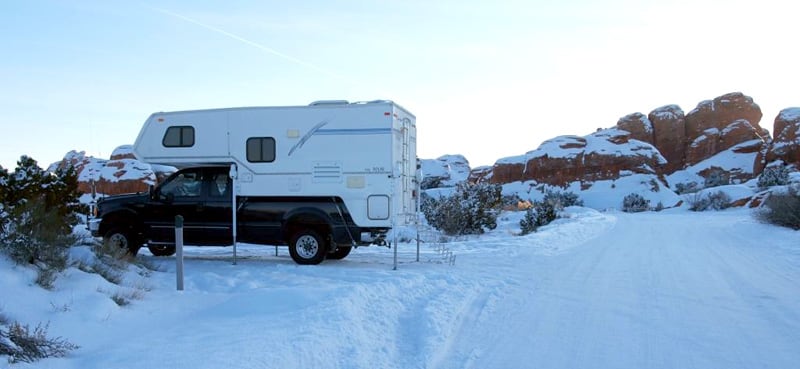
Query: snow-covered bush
[717, 177]
[782, 209]
[773, 176]
[710, 201]
[38, 213]
[682, 188]
[561, 200]
[540, 214]
[634, 203]
[469, 210]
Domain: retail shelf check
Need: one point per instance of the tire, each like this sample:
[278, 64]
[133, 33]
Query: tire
[161, 250]
[340, 253]
[308, 247]
[121, 238]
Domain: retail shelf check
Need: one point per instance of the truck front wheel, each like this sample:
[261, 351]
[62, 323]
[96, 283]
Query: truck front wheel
[119, 238]
[307, 247]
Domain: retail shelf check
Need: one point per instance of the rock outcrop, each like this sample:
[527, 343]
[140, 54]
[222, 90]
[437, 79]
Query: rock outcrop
[445, 171]
[669, 135]
[786, 142]
[121, 174]
[602, 155]
[719, 124]
[719, 142]
[639, 126]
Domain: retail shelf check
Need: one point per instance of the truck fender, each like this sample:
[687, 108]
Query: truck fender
[313, 217]
[121, 218]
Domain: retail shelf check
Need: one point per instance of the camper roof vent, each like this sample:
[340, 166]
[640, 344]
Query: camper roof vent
[329, 102]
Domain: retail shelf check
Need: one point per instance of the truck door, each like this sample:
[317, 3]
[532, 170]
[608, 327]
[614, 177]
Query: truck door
[182, 194]
[218, 215]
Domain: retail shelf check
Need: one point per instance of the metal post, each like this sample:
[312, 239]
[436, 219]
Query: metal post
[179, 251]
[393, 191]
[418, 221]
[234, 225]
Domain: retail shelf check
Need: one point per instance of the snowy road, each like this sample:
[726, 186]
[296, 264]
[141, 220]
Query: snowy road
[654, 291]
[596, 290]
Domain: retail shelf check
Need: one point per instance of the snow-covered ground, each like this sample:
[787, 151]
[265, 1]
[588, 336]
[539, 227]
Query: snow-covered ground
[673, 289]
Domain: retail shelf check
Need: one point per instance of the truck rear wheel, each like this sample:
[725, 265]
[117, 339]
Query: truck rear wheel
[340, 253]
[119, 238]
[307, 247]
[161, 250]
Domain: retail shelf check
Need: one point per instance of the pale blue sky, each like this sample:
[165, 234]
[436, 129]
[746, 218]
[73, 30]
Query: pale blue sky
[486, 79]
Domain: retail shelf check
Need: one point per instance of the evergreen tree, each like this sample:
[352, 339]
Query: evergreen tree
[37, 211]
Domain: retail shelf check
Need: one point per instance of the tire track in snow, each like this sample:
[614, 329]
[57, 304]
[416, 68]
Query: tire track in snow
[657, 291]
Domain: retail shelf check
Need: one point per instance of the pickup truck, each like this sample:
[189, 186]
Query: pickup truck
[315, 228]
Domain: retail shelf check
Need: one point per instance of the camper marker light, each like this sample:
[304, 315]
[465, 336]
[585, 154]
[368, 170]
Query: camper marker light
[387, 113]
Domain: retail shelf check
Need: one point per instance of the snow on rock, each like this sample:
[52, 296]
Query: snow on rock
[121, 174]
[716, 125]
[604, 194]
[639, 126]
[735, 165]
[565, 159]
[786, 143]
[123, 152]
[669, 124]
[445, 171]
[480, 174]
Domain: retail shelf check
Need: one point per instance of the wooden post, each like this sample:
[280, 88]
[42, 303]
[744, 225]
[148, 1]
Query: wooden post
[179, 251]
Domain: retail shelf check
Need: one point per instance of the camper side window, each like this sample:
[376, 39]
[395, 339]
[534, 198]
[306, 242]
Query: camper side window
[261, 149]
[179, 136]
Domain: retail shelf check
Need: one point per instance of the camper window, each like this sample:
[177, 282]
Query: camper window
[179, 136]
[261, 149]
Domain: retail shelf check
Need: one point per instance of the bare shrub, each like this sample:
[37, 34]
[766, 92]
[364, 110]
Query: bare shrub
[782, 209]
[710, 201]
[21, 344]
[634, 203]
[562, 199]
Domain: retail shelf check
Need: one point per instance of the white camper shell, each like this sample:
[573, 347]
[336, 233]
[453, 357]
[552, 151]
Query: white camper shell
[363, 153]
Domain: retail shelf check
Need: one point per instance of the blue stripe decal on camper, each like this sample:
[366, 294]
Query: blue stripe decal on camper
[317, 130]
[308, 135]
[357, 131]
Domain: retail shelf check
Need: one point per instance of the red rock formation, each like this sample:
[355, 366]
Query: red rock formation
[786, 142]
[121, 174]
[565, 159]
[719, 124]
[669, 128]
[639, 126]
[480, 174]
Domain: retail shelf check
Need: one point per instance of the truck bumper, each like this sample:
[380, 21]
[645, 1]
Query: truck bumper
[94, 226]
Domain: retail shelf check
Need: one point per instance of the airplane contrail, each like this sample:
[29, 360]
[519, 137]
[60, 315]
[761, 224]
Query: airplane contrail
[253, 43]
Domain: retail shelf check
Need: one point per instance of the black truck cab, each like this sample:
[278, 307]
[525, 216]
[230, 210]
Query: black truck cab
[314, 228]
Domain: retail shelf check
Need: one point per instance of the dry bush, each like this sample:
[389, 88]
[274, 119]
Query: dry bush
[782, 209]
[21, 344]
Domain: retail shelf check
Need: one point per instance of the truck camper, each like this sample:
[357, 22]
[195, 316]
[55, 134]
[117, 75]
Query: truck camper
[321, 179]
